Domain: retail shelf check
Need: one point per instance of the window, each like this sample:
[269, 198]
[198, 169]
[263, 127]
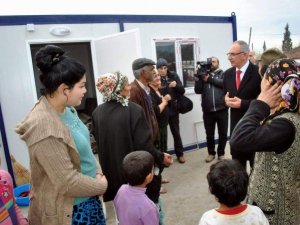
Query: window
[166, 50]
[182, 54]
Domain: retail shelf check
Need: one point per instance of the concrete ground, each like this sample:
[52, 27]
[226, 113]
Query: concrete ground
[188, 196]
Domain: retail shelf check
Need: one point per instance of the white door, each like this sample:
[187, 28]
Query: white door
[116, 53]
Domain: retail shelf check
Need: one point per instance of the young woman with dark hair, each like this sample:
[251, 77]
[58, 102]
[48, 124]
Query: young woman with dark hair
[66, 179]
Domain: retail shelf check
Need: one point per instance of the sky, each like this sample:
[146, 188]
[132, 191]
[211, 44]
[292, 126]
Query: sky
[267, 18]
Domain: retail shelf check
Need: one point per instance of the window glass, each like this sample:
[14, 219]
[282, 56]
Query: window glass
[188, 64]
[166, 50]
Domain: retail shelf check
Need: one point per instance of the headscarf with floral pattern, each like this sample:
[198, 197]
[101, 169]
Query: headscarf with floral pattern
[287, 71]
[110, 85]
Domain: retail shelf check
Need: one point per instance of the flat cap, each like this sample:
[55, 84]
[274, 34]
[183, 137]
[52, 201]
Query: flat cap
[141, 62]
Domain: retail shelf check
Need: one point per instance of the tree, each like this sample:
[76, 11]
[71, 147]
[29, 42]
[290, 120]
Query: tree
[264, 46]
[287, 44]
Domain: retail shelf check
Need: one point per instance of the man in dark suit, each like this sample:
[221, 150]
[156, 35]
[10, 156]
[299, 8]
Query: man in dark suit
[241, 85]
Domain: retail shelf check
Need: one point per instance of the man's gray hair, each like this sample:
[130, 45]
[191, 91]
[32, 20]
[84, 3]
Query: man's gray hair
[137, 73]
[244, 47]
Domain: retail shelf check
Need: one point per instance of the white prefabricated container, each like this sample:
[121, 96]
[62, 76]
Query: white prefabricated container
[104, 43]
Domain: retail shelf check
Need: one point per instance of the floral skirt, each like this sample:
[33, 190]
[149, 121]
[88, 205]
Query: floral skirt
[88, 213]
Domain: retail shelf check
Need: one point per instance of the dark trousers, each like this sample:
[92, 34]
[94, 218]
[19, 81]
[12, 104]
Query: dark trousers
[210, 120]
[174, 127]
[163, 138]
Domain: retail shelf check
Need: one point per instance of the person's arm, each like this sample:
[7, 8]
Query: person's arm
[198, 85]
[158, 108]
[178, 87]
[250, 136]
[53, 156]
[216, 81]
[141, 134]
[151, 217]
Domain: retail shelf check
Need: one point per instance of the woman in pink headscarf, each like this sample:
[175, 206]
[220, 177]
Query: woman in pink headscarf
[271, 129]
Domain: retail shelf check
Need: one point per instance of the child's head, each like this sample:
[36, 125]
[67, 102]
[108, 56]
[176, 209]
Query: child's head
[228, 182]
[137, 167]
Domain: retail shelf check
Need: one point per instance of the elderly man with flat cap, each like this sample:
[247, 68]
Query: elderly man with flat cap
[143, 70]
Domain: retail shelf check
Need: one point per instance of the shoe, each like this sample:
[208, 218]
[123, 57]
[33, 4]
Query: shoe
[221, 157]
[209, 158]
[164, 181]
[163, 190]
[181, 159]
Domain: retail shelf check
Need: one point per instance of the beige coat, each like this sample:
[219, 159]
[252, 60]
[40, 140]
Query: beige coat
[55, 167]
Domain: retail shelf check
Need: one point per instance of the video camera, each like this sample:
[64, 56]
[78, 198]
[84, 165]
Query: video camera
[204, 67]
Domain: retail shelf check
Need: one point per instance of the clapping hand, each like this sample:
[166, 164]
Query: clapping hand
[168, 159]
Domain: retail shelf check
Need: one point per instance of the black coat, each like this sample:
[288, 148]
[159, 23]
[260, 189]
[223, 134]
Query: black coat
[175, 92]
[276, 135]
[249, 89]
[119, 130]
[162, 117]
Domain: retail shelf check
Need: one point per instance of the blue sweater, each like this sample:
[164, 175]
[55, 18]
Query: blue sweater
[81, 137]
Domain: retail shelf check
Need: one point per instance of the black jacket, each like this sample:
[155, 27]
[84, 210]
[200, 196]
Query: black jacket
[212, 92]
[162, 117]
[249, 135]
[175, 92]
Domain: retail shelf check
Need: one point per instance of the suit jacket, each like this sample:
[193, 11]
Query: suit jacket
[140, 97]
[249, 89]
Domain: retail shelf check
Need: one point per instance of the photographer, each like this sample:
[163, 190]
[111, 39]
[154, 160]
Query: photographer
[209, 83]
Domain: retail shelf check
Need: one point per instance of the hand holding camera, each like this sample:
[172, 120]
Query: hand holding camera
[204, 69]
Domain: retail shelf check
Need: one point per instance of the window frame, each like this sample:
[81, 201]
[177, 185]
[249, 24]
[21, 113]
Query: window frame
[178, 42]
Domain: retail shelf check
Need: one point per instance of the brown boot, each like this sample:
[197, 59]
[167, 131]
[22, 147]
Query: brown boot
[181, 159]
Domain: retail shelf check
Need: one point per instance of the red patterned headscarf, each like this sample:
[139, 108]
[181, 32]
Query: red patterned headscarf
[110, 85]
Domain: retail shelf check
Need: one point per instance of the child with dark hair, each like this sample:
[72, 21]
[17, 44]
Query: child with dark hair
[132, 205]
[228, 182]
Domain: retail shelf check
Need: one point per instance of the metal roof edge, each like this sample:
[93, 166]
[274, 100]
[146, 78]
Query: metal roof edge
[78, 19]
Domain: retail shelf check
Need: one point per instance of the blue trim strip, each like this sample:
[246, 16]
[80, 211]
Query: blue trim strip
[194, 146]
[234, 27]
[190, 147]
[5, 146]
[77, 19]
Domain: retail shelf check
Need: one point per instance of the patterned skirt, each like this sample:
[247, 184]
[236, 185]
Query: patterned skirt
[88, 213]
